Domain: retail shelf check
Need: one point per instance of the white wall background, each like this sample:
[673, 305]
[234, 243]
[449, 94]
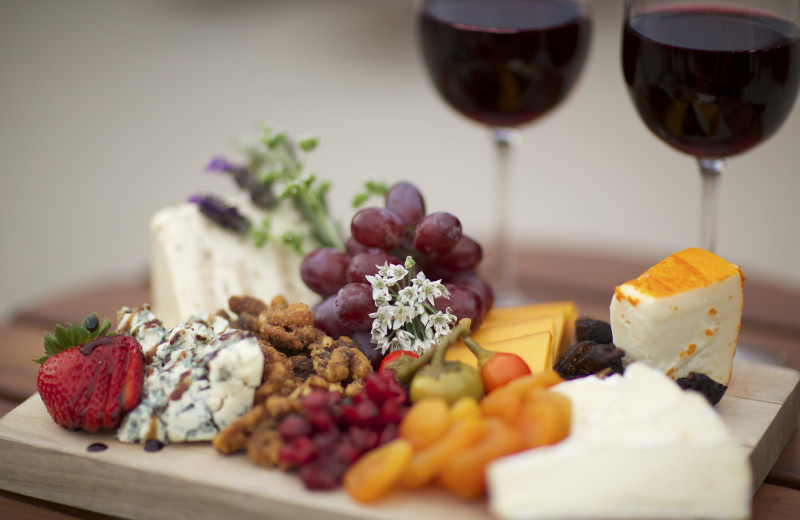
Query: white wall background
[109, 111]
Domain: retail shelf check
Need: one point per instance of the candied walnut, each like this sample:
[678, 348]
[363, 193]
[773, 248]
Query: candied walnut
[246, 304]
[235, 436]
[354, 387]
[307, 335]
[278, 300]
[265, 444]
[317, 381]
[711, 390]
[279, 337]
[294, 316]
[278, 406]
[302, 366]
[589, 357]
[339, 360]
[333, 365]
[360, 364]
[278, 375]
[298, 359]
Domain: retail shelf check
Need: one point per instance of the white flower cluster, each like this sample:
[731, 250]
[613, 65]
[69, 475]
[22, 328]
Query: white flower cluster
[406, 318]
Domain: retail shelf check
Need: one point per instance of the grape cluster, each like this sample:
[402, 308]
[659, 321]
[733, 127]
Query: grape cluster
[387, 235]
[334, 430]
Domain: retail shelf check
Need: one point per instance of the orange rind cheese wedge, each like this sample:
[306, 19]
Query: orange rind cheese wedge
[682, 315]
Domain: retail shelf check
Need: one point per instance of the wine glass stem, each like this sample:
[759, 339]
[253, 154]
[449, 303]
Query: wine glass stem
[710, 170]
[505, 139]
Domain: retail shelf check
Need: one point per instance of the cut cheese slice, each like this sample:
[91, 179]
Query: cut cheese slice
[538, 333]
[682, 315]
[640, 447]
[563, 315]
[197, 265]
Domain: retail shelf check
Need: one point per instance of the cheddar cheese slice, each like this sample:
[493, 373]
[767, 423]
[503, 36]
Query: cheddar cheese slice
[538, 333]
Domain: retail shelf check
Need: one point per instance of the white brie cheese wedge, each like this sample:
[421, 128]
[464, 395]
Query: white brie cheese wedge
[199, 377]
[197, 265]
[682, 315]
[640, 447]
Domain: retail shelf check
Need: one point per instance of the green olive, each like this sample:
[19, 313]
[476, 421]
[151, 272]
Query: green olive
[450, 380]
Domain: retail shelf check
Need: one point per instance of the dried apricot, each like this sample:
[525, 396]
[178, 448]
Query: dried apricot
[426, 464]
[544, 418]
[504, 403]
[463, 473]
[540, 380]
[425, 422]
[466, 406]
[373, 475]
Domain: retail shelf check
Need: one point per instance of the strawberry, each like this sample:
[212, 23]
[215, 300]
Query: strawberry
[87, 379]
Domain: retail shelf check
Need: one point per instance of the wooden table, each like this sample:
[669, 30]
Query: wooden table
[770, 332]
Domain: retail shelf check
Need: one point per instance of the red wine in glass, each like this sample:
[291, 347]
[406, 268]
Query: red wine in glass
[712, 79]
[712, 83]
[504, 63]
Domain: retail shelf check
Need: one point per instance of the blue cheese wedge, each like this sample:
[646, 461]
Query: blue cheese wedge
[640, 447]
[200, 376]
[682, 315]
[197, 265]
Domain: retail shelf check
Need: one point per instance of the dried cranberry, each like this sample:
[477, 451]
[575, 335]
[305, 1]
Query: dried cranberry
[346, 453]
[362, 438]
[381, 386]
[363, 414]
[388, 433]
[294, 426]
[322, 475]
[297, 452]
[392, 411]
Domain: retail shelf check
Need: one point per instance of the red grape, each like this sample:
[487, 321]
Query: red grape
[464, 303]
[465, 255]
[377, 227]
[437, 234]
[324, 270]
[325, 319]
[367, 262]
[479, 287]
[405, 200]
[353, 305]
[363, 340]
[352, 247]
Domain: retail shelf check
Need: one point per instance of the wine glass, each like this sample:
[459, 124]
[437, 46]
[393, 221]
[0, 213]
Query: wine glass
[503, 64]
[712, 79]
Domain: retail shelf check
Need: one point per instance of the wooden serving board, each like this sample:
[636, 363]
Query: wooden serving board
[40, 459]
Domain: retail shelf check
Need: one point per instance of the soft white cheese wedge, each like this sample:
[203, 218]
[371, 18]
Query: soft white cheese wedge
[682, 315]
[197, 265]
[199, 377]
[640, 448]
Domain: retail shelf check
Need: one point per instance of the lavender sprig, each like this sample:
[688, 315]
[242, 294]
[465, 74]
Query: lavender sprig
[275, 171]
[222, 213]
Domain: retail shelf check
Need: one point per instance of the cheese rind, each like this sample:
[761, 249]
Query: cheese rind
[682, 315]
[197, 265]
[640, 447]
